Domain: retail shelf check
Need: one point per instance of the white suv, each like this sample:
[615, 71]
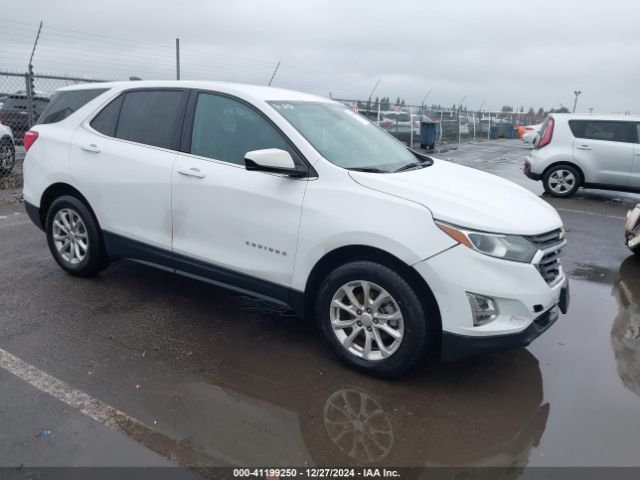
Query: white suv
[297, 199]
[591, 151]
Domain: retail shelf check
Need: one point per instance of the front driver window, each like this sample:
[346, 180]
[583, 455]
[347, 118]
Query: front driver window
[226, 129]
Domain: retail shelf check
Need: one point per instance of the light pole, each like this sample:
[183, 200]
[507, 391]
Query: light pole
[575, 102]
[423, 100]
[459, 110]
[371, 95]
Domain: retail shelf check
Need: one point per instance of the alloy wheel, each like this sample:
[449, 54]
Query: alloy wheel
[561, 181]
[70, 236]
[7, 156]
[366, 320]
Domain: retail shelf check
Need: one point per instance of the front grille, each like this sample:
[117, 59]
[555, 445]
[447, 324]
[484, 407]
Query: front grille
[550, 244]
[546, 240]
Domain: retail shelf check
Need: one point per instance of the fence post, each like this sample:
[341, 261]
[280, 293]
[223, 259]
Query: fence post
[473, 118]
[29, 90]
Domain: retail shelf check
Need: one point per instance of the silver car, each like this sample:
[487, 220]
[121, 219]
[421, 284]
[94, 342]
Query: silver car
[590, 151]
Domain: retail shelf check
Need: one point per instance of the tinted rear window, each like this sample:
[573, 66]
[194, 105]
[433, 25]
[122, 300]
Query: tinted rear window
[63, 104]
[105, 122]
[602, 130]
[152, 117]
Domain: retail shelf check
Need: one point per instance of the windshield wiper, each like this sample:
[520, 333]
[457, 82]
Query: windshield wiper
[367, 169]
[411, 165]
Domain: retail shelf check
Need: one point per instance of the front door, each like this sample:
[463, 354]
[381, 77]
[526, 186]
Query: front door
[231, 225]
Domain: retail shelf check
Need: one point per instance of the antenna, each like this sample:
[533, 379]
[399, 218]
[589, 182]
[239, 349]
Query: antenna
[274, 73]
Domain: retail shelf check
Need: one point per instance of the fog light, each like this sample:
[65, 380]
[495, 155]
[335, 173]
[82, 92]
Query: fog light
[484, 309]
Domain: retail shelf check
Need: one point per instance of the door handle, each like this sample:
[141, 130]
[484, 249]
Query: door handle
[191, 172]
[583, 147]
[92, 147]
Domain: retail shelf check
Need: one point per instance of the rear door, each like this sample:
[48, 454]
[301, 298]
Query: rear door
[604, 149]
[122, 161]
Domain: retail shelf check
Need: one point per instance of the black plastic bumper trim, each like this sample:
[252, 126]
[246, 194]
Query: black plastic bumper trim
[457, 347]
[34, 215]
[533, 176]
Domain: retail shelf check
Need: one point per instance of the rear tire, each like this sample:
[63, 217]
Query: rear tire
[7, 156]
[561, 181]
[74, 238]
[382, 327]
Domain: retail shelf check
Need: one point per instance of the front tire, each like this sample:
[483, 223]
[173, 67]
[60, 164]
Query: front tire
[373, 319]
[74, 238]
[561, 181]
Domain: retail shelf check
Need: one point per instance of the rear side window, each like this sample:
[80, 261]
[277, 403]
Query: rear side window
[611, 131]
[226, 129]
[107, 120]
[63, 104]
[152, 117]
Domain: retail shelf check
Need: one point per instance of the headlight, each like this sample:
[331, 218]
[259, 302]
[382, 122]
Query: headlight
[508, 247]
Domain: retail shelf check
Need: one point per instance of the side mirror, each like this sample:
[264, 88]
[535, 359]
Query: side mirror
[273, 160]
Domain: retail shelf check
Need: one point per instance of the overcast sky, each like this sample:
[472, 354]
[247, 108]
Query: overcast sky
[502, 52]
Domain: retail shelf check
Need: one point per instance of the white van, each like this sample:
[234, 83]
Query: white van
[297, 199]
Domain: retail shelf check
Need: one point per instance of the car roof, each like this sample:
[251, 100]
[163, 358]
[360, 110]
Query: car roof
[256, 92]
[596, 116]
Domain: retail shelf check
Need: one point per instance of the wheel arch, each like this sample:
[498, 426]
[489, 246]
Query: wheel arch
[569, 164]
[57, 190]
[345, 254]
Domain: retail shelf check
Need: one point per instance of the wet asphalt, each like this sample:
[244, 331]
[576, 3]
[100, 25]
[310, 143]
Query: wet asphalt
[222, 379]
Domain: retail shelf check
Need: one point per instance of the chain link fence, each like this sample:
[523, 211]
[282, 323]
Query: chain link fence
[449, 125]
[23, 97]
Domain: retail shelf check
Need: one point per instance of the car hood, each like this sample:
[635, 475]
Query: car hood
[468, 198]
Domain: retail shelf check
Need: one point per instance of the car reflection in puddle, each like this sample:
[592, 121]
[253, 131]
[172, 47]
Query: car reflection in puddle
[484, 412]
[358, 425]
[625, 333]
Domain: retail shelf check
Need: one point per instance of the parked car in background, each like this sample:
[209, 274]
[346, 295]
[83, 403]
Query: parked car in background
[531, 133]
[7, 150]
[590, 151]
[370, 114]
[297, 199]
[14, 112]
[400, 124]
[632, 230]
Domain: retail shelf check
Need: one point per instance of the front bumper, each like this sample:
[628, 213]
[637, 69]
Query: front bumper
[522, 295]
[457, 347]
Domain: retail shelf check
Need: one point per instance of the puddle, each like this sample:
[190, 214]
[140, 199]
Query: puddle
[593, 273]
[467, 414]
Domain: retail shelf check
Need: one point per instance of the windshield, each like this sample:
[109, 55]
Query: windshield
[345, 138]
